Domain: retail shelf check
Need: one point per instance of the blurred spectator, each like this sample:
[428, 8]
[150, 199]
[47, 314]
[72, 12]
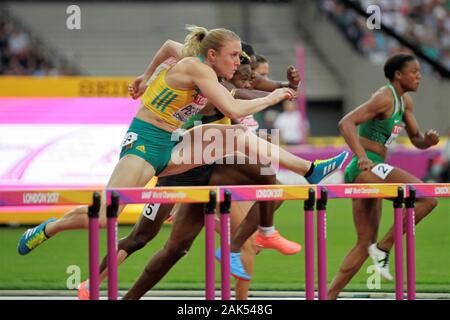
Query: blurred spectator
[269, 117]
[426, 23]
[20, 55]
[289, 123]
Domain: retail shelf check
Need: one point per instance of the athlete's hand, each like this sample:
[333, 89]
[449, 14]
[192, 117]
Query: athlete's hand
[365, 164]
[281, 94]
[293, 77]
[431, 138]
[137, 87]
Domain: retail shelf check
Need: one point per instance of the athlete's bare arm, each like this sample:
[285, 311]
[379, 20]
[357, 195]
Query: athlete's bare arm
[204, 77]
[418, 139]
[261, 83]
[377, 105]
[169, 49]
[244, 94]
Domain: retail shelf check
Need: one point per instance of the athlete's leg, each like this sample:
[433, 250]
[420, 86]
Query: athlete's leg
[260, 214]
[187, 225]
[143, 232]
[366, 218]
[237, 138]
[152, 218]
[246, 174]
[130, 171]
[422, 207]
[248, 251]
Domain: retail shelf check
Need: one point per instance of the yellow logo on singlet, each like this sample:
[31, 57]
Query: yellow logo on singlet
[141, 148]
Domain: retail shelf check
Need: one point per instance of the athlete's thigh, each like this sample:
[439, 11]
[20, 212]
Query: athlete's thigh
[396, 175]
[201, 145]
[151, 219]
[131, 171]
[366, 218]
[238, 212]
[188, 223]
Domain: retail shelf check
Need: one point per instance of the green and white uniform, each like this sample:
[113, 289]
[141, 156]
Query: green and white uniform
[383, 131]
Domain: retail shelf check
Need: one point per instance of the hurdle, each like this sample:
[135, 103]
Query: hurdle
[311, 194]
[363, 191]
[414, 191]
[282, 192]
[399, 193]
[45, 197]
[225, 205]
[206, 195]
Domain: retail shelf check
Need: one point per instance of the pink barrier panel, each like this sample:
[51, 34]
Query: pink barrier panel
[161, 195]
[431, 190]
[362, 191]
[268, 192]
[39, 197]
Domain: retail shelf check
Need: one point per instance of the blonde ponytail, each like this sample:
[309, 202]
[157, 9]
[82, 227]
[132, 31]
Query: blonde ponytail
[200, 40]
[193, 40]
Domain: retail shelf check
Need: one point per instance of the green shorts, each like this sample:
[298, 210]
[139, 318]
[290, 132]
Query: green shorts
[148, 142]
[352, 171]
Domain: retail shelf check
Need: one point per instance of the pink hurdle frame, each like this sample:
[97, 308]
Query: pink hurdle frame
[398, 244]
[210, 209]
[94, 277]
[410, 247]
[111, 224]
[225, 245]
[322, 244]
[309, 245]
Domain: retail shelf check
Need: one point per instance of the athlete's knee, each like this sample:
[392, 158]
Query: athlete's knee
[177, 250]
[428, 204]
[353, 266]
[133, 243]
[432, 203]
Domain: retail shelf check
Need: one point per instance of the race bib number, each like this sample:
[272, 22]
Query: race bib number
[150, 210]
[396, 130]
[130, 137]
[191, 109]
[382, 170]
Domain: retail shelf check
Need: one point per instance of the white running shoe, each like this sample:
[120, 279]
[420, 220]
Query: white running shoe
[380, 260]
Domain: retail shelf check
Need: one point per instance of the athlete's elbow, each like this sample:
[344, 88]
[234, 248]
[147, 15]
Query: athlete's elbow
[232, 113]
[342, 125]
